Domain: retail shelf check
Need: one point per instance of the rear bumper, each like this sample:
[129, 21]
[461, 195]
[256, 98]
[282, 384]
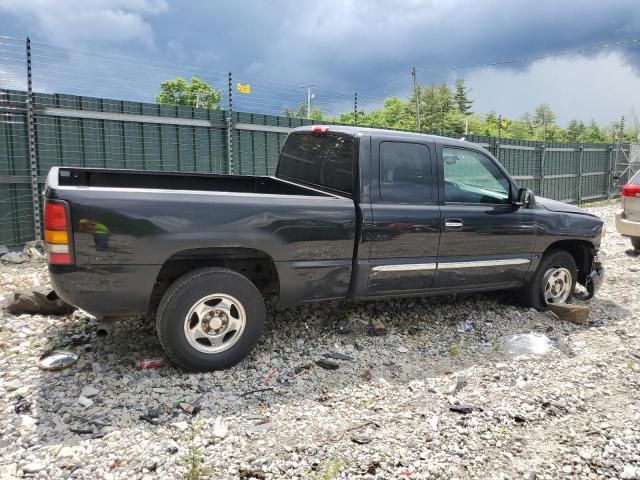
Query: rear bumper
[626, 227]
[106, 290]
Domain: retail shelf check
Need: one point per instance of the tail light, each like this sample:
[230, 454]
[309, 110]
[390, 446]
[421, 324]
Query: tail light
[631, 190]
[56, 232]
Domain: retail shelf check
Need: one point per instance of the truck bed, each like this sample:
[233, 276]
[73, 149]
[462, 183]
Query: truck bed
[85, 177]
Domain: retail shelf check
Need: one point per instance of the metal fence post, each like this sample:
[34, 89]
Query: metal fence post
[33, 157]
[610, 176]
[230, 127]
[543, 152]
[580, 169]
[355, 108]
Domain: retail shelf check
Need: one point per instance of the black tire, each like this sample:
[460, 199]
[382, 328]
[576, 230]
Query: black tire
[532, 294]
[635, 241]
[185, 293]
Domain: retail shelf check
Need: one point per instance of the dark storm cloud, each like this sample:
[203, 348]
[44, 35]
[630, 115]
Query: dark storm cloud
[339, 45]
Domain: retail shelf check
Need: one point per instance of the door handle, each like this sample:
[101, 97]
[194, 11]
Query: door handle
[453, 224]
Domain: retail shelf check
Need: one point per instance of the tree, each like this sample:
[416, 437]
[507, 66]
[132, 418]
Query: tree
[594, 134]
[461, 97]
[197, 94]
[544, 123]
[301, 112]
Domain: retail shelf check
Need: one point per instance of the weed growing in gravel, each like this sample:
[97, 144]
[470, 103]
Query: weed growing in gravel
[454, 351]
[328, 470]
[193, 457]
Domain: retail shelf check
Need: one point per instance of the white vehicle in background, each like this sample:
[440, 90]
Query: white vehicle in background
[628, 217]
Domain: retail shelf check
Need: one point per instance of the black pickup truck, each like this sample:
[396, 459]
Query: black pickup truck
[351, 214]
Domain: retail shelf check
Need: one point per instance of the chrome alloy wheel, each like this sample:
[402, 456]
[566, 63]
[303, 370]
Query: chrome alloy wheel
[557, 283]
[215, 323]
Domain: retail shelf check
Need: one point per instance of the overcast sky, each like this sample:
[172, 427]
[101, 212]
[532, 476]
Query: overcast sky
[341, 46]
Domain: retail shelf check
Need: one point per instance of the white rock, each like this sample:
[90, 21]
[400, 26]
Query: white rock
[630, 473]
[66, 452]
[402, 349]
[89, 392]
[33, 467]
[433, 423]
[220, 430]
[85, 402]
[182, 426]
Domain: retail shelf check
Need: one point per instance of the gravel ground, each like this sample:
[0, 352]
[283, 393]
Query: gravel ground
[385, 413]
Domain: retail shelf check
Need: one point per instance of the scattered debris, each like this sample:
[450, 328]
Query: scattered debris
[57, 360]
[14, 257]
[525, 344]
[251, 392]
[465, 327]
[152, 416]
[361, 439]
[338, 356]
[577, 314]
[81, 430]
[344, 326]
[21, 405]
[299, 369]
[373, 468]
[80, 339]
[116, 463]
[461, 408]
[189, 408]
[35, 251]
[377, 327]
[146, 363]
[327, 364]
[518, 418]
[40, 301]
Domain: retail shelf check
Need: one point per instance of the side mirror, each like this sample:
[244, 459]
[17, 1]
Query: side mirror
[525, 199]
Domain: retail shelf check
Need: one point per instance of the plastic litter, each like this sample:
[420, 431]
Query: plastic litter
[21, 405]
[146, 363]
[57, 360]
[525, 344]
[466, 327]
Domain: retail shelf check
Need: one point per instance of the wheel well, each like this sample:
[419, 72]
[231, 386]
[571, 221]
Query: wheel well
[256, 265]
[582, 253]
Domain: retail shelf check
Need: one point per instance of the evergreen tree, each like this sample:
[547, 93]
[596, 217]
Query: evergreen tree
[461, 97]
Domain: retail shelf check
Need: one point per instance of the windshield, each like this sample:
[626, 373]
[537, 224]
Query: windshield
[324, 161]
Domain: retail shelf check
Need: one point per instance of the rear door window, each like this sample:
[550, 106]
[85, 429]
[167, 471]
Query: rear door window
[323, 161]
[405, 173]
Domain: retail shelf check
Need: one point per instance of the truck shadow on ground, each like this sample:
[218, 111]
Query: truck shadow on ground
[425, 339]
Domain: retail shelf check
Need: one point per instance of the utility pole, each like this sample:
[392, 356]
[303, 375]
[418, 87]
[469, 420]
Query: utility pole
[310, 95]
[417, 95]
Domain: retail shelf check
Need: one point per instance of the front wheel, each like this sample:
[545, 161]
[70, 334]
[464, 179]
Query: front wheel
[210, 319]
[635, 241]
[553, 282]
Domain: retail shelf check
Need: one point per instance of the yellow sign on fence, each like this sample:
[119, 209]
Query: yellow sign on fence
[243, 87]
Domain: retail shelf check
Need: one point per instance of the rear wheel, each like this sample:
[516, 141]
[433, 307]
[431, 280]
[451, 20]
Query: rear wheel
[553, 282]
[210, 319]
[635, 241]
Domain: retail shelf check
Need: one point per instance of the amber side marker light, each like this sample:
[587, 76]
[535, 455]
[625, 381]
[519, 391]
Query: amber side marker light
[56, 232]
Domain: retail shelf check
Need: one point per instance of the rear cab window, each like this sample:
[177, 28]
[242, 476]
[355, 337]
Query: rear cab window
[405, 173]
[324, 161]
